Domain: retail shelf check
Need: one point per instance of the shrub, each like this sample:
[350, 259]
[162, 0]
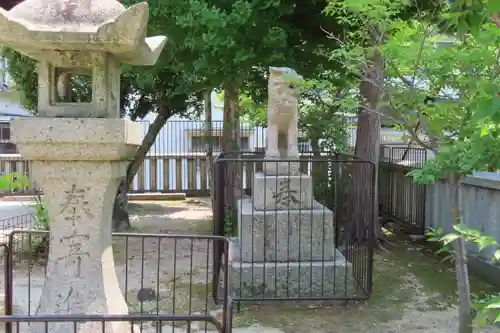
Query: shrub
[27, 246]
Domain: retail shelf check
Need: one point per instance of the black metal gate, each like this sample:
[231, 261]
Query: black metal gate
[166, 280]
[339, 187]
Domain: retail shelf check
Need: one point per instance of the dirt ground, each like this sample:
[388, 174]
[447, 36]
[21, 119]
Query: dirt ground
[179, 270]
[413, 291]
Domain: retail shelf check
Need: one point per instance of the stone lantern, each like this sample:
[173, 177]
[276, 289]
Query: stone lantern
[79, 151]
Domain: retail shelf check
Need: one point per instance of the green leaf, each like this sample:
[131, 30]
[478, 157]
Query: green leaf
[14, 181]
[446, 239]
[443, 249]
[493, 306]
[484, 130]
[493, 6]
[466, 230]
[5, 182]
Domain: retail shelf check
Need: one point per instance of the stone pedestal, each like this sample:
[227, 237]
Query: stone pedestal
[282, 192]
[286, 245]
[285, 235]
[79, 164]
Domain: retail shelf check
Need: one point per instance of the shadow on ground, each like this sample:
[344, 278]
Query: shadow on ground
[414, 291]
[144, 208]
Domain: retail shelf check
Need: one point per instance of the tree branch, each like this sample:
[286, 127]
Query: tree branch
[379, 37]
[164, 112]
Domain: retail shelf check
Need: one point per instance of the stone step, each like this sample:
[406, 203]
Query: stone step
[287, 235]
[298, 280]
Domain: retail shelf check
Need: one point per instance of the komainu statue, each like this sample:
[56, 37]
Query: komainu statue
[282, 113]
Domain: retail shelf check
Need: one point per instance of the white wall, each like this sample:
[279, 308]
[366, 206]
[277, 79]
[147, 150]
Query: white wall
[175, 138]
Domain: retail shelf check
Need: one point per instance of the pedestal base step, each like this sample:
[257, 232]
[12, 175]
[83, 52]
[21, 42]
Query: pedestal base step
[284, 236]
[301, 280]
[291, 280]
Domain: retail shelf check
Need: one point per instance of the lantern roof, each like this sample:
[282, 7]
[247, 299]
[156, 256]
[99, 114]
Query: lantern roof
[36, 26]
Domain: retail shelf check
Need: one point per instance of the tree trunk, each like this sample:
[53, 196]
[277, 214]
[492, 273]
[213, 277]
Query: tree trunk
[209, 139]
[464, 306]
[231, 139]
[121, 219]
[319, 170]
[367, 148]
[496, 19]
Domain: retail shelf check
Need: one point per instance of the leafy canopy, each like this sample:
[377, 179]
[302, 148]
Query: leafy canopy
[234, 42]
[462, 125]
[446, 98]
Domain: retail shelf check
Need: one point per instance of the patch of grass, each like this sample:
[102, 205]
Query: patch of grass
[204, 227]
[392, 288]
[201, 202]
[179, 298]
[176, 298]
[146, 208]
[196, 227]
[299, 319]
[409, 276]
[436, 274]
[386, 303]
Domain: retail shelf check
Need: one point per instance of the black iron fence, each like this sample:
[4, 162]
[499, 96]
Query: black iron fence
[178, 159]
[158, 273]
[161, 323]
[301, 229]
[401, 200]
[7, 225]
[414, 157]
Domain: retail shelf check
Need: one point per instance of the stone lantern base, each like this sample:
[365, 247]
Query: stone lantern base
[79, 164]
